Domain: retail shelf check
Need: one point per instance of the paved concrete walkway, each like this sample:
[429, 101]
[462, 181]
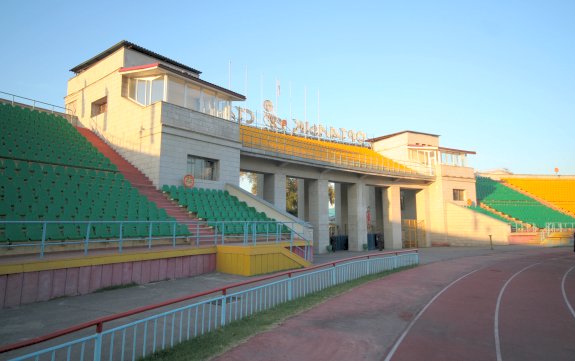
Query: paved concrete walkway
[37, 319]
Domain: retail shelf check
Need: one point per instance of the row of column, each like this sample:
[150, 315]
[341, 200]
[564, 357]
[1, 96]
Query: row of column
[351, 209]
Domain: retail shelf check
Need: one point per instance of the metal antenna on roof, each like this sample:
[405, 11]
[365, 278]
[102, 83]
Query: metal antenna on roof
[318, 106]
[305, 103]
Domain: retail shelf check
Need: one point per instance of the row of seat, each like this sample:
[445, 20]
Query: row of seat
[18, 232]
[43, 137]
[488, 213]
[50, 172]
[558, 191]
[517, 205]
[325, 151]
[218, 206]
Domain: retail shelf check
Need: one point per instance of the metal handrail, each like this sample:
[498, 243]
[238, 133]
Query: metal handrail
[340, 157]
[34, 102]
[251, 233]
[223, 291]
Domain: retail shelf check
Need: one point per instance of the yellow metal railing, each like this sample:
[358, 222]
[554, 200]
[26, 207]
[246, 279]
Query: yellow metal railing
[349, 156]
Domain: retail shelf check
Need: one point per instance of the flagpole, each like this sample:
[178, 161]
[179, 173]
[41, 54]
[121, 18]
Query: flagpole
[305, 104]
[318, 106]
[290, 113]
[261, 92]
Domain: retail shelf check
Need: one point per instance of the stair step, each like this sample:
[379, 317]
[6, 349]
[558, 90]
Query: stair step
[145, 186]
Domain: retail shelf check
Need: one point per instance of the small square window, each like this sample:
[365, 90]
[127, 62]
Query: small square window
[100, 106]
[202, 168]
[458, 194]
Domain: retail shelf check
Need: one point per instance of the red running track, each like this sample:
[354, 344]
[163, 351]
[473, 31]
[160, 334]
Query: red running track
[440, 311]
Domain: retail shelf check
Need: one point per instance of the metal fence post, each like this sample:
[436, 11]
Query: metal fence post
[289, 287]
[333, 275]
[368, 265]
[224, 304]
[198, 234]
[87, 237]
[121, 236]
[98, 342]
[174, 235]
[150, 236]
[43, 240]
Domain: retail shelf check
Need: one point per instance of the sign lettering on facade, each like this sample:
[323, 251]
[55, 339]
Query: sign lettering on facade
[299, 127]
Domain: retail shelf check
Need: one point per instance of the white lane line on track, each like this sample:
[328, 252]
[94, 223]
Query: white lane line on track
[400, 339]
[564, 293]
[496, 327]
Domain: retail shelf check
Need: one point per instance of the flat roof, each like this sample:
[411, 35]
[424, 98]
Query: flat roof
[457, 150]
[124, 43]
[454, 150]
[398, 133]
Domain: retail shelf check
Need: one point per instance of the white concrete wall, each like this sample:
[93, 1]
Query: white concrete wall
[394, 148]
[133, 130]
[469, 228]
[271, 211]
[187, 132]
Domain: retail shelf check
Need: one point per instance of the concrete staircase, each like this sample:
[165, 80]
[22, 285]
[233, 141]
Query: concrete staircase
[145, 186]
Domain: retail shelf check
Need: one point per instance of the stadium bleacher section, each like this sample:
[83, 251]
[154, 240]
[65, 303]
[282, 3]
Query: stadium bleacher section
[559, 192]
[517, 205]
[217, 206]
[325, 151]
[50, 172]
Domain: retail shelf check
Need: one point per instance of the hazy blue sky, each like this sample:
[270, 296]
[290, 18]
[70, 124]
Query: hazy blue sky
[496, 77]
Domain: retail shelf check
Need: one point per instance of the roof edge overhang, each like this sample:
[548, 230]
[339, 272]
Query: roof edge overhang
[164, 69]
[126, 44]
[457, 150]
[398, 133]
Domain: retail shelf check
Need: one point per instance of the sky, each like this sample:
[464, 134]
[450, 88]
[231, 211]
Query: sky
[494, 77]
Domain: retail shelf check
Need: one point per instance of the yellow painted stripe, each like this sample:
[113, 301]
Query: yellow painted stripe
[34, 266]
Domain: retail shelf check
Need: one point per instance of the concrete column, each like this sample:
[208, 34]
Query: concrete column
[275, 190]
[356, 216]
[301, 200]
[260, 185]
[318, 213]
[422, 200]
[341, 208]
[392, 217]
[378, 215]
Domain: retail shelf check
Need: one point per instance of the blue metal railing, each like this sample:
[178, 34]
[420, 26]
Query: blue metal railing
[160, 331]
[18, 235]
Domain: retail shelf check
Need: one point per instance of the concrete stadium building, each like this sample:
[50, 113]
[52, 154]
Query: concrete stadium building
[168, 122]
[138, 181]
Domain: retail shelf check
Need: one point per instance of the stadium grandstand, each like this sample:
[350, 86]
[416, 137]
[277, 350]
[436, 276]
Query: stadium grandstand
[556, 191]
[517, 206]
[137, 179]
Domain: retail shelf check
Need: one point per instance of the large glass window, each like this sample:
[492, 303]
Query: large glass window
[146, 90]
[157, 90]
[141, 92]
[176, 92]
[209, 102]
[193, 97]
[150, 90]
[202, 168]
[223, 108]
[454, 159]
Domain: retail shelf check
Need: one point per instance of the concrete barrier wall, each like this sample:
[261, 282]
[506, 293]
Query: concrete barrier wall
[42, 281]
